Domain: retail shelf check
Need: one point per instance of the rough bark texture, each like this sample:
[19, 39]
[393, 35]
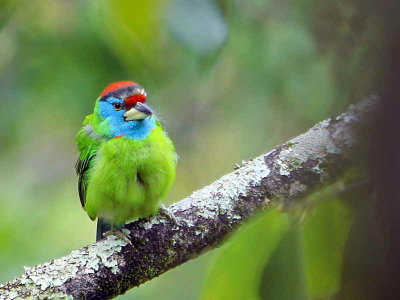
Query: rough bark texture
[203, 220]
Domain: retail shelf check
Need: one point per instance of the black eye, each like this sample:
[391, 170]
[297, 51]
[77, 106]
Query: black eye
[118, 106]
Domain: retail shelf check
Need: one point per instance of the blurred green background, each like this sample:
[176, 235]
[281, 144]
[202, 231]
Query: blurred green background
[230, 80]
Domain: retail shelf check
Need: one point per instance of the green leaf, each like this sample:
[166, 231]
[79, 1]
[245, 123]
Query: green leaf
[283, 277]
[132, 29]
[238, 268]
[325, 234]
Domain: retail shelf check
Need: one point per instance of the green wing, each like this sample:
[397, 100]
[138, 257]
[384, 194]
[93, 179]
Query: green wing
[82, 167]
[88, 143]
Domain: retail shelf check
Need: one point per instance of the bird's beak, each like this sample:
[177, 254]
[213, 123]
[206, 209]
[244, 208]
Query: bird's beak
[139, 112]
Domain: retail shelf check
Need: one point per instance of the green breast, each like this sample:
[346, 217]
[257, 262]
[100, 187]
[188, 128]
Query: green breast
[130, 177]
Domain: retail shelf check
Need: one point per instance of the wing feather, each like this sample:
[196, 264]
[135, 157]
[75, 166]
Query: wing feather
[82, 168]
[88, 143]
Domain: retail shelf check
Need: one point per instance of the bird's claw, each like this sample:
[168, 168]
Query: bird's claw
[166, 212]
[118, 233]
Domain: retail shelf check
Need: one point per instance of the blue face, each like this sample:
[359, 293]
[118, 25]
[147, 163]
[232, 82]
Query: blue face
[113, 109]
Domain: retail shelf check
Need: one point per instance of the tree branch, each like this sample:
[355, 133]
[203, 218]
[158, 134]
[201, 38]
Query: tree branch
[202, 221]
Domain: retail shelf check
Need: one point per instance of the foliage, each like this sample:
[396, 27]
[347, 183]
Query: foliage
[230, 79]
[237, 269]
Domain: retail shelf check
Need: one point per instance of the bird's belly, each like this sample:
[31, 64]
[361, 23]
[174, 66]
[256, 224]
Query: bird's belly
[128, 181]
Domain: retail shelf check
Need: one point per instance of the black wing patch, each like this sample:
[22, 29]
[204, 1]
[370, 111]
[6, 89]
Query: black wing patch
[81, 168]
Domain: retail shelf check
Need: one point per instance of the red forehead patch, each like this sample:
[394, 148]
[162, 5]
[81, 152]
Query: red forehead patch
[116, 86]
[132, 100]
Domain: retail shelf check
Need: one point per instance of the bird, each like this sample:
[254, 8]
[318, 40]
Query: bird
[127, 161]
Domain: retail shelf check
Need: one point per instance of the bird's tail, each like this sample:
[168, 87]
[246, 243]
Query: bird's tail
[102, 226]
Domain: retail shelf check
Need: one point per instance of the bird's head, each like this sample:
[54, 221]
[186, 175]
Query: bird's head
[125, 100]
[123, 105]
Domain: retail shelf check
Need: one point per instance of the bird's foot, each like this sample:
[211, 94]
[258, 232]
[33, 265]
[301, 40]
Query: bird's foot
[168, 214]
[118, 233]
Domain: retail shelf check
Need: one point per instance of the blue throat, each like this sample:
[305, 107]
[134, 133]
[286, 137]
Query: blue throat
[135, 130]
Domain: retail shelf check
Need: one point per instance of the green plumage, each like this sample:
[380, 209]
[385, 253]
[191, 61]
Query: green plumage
[122, 178]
